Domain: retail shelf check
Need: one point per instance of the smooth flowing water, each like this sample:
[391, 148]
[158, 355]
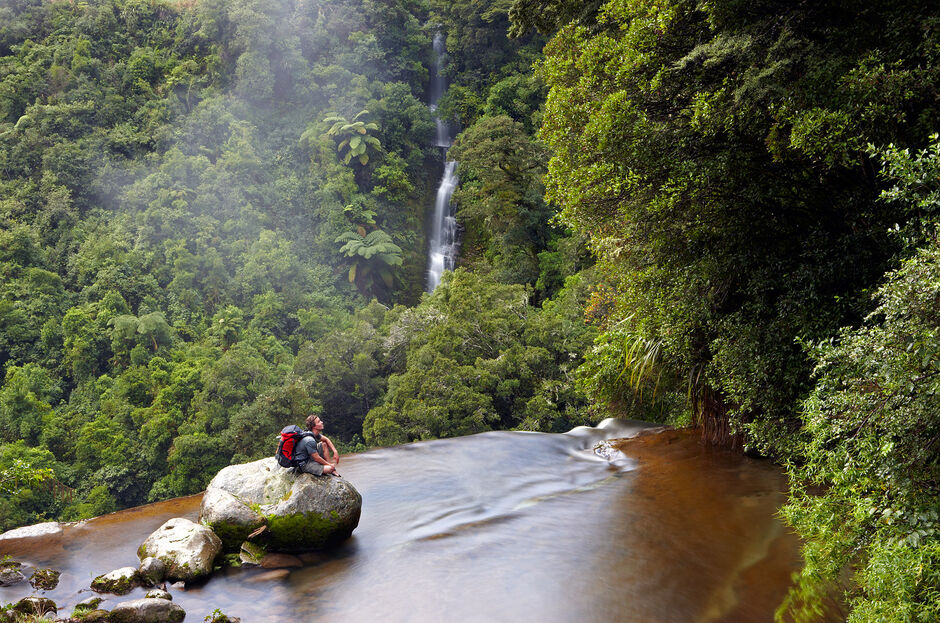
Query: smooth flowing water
[442, 244]
[501, 526]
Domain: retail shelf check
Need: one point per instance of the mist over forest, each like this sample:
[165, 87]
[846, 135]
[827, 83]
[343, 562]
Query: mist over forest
[214, 222]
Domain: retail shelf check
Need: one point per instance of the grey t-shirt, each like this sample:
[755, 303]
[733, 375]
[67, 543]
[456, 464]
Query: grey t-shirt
[307, 446]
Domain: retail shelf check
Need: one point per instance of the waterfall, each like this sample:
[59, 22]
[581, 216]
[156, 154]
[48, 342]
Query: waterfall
[442, 246]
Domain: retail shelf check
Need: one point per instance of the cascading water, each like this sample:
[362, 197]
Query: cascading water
[442, 248]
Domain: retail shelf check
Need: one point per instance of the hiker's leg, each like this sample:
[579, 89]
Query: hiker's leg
[311, 467]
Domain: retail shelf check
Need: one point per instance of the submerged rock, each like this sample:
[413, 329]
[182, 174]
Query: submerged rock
[269, 576]
[147, 611]
[280, 561]
[119, 581]
[299, 511]
[187, 549]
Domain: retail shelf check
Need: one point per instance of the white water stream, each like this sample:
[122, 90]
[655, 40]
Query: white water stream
[442, 247]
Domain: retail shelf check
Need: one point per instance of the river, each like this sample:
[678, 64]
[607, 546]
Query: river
[500, 526]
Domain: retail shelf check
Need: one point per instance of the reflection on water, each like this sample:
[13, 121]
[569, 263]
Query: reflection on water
[500, 527]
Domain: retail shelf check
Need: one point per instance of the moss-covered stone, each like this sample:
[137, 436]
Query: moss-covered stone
[251, 553]
[220, 617]
[304, 531]
[119, 581]
[7, 562]
[44, 579]
[35, 605]
[231, 534]
[10, 576]
[89, 604]
[91, 616]
[147, 611]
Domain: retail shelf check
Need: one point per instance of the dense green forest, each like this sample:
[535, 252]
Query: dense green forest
[213, 216]
[213, 225]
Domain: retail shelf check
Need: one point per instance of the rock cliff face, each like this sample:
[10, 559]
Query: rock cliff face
[298, 511]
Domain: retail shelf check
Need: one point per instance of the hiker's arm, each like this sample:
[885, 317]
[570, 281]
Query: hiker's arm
[319, 459]
[331, 448]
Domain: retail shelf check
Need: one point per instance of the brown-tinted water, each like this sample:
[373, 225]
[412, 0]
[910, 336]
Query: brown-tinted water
[500, 526]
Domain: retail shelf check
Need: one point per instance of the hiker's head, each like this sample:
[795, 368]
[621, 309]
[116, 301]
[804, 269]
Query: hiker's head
[314, 423]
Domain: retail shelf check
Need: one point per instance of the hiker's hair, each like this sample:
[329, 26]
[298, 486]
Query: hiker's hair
[311, 421]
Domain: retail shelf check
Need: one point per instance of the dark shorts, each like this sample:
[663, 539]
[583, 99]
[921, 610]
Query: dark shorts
[311, 467]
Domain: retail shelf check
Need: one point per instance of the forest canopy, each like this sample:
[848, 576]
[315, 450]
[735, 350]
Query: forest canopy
[212, 225]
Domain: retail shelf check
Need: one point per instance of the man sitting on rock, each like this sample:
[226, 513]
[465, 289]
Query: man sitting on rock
[311, 451]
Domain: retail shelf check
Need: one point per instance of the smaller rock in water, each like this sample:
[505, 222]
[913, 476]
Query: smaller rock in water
[251, 553]
[179, 585]
[90, 616]
[44, 579]
[88, 604]
[309, 558]
[151, 571]
[35, 605]
[10, 576]
[186, 548]
[157, 593]
[280, 561]
[119, 581]
[147, 611]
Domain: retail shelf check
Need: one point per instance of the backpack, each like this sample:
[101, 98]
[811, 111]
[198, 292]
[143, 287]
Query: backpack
[290, 435]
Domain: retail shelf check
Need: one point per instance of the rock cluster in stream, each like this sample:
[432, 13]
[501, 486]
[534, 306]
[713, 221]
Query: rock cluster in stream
[258, 510]
[154, 608]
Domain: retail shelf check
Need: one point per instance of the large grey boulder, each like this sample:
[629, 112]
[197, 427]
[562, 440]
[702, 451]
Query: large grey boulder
[298, 511]
[186, 548]
[147, 611]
